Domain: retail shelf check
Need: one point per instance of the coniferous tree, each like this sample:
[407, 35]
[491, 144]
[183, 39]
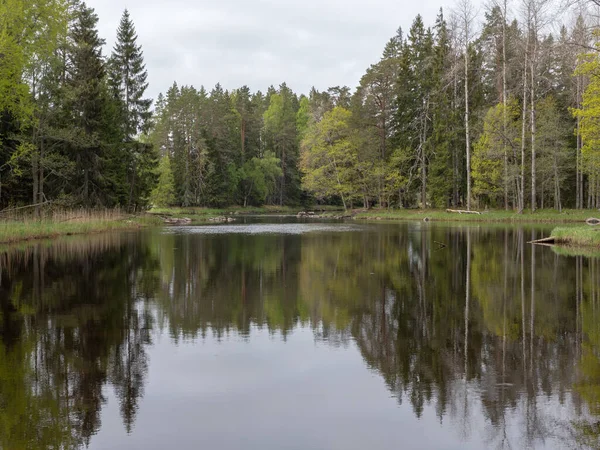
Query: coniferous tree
[128, 68]
[87, 95]
[129, 75]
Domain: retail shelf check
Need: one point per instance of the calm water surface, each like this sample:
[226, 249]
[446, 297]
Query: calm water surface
[284, 335]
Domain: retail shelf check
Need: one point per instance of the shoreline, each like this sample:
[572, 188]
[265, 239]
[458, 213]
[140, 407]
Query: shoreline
[576, 237]
[584, 236]
[197, 214]
[491, 216]
[15, 232]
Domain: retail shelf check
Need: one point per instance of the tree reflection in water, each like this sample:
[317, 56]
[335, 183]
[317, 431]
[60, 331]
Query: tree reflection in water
[486, 323]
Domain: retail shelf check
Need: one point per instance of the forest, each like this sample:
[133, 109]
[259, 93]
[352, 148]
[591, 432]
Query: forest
[494, 106]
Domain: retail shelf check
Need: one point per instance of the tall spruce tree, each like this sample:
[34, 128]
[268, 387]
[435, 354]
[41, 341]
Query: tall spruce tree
[86, 76]
[128, 68]
[129, 75]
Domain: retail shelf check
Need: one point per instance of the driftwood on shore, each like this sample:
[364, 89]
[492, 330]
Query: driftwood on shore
[547, 240]
[178, 221]
[462, 211]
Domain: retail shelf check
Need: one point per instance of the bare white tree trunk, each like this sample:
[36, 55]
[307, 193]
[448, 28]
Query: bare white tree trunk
[466, 15]
[536, 12]
[533, 129]
[523, 130]
[504, 114]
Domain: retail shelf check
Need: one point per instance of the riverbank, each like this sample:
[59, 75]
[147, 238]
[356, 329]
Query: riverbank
[202, 215]
[540, 216]
[588, 237]
[17, 231]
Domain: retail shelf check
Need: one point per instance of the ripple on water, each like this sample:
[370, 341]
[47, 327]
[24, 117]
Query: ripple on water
[284, 228]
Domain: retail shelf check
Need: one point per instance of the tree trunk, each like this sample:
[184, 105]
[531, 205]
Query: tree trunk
[533, 128]
[467, 134]
[41, 196]
[455, 159]
[86, 187]
[132, 187]
[505, 117]
[557, 203]
[34, 173]
[35, 162]
[578, 173]
[523, 128]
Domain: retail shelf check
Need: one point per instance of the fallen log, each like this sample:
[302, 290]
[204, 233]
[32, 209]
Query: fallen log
[462, 211]
[592, 221]
[548, 240]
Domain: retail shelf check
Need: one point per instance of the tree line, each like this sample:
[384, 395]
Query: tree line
[73, 122]
[495, 113]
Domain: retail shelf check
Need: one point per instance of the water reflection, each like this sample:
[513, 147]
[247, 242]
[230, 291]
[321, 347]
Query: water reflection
[69, 324]
[467, 321]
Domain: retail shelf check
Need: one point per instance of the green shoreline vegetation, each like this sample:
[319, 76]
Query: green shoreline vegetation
[578, 237]
[80, 222]
[539, 216]
[72, 223]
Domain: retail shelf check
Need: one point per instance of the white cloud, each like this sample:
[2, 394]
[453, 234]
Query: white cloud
[261, 42]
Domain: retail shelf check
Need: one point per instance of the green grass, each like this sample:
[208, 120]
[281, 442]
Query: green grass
[540, 216]
[577, 236]
[13, 231]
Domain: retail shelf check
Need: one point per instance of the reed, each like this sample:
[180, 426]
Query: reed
[18, 226]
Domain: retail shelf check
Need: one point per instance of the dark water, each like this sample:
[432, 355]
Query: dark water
[299, 336]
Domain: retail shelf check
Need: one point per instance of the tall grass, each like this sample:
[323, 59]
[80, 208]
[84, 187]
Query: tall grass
[577, 236]
[19, 225]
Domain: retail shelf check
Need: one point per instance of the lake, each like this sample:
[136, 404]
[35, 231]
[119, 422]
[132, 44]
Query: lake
[273, 333]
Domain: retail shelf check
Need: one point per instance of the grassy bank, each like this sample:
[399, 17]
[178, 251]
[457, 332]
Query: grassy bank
[71, 223]
[540, 216]
[204, 214]
[577, 236]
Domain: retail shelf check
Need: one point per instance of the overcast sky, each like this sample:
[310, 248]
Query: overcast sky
[261, 42]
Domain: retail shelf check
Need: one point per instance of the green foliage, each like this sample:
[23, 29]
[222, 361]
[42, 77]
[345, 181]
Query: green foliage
[281, 138]
[77, 126]
[330, 156]
[489, 151]
[164, 192]
[258, 178]
[589, 113]
[303, 117]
